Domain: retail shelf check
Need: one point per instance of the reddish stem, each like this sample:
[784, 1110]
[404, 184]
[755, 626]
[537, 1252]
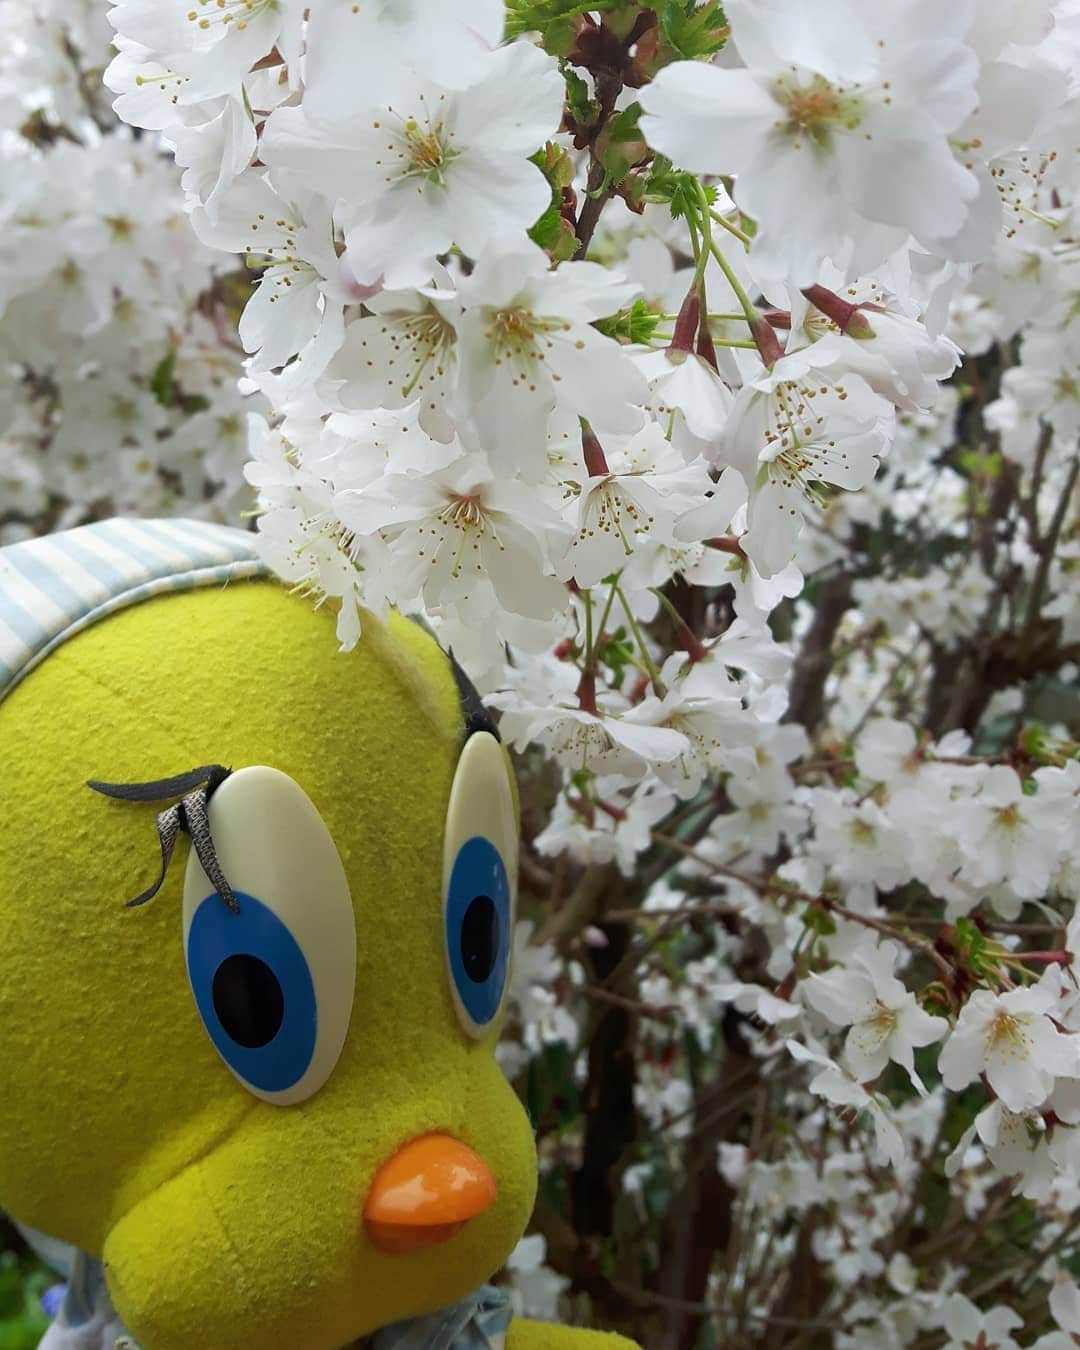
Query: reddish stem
[786, 987]
[690, 642]
[615, 812]
[586, 692]
[583, 808]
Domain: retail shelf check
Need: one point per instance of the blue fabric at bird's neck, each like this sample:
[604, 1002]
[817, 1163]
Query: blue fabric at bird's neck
[86, 1319]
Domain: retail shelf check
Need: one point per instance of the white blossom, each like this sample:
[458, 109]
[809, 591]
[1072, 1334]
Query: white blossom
[886, 1023]
[1011, 1038]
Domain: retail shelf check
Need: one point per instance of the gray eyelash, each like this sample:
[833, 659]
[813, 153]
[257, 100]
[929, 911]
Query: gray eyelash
[188, 814]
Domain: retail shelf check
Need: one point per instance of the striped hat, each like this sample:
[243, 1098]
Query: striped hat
[55, 586]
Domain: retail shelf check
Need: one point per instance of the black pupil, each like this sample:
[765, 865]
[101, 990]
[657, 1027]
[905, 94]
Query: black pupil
[248, 1000]
[479, 938]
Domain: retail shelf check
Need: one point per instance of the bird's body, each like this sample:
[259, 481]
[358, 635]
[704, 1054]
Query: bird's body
[227, 1212]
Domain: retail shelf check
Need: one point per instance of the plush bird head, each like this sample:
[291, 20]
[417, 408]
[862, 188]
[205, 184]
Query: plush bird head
[267, 1097]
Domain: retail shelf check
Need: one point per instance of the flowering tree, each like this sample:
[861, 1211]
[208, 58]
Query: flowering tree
[710, 380]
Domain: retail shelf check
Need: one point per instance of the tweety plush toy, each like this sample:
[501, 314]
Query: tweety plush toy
[251, 1097]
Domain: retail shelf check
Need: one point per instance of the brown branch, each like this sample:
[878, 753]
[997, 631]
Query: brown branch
[1048, 546]
[596, 198]
[765, 886]
[662, 1012]
[806, 704]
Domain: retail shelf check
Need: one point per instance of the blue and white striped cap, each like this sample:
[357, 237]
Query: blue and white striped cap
[53, 587]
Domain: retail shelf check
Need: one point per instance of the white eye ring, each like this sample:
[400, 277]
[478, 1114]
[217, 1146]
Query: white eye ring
[480, 862]
[274, 984]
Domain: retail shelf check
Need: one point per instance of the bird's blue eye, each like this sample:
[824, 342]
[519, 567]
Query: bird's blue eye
[274, 982]
[480, 854]
[478, 928]
[254, 991]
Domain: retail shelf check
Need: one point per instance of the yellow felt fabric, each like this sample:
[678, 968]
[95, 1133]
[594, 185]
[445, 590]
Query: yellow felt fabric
[226, 1222]
[525, 1335]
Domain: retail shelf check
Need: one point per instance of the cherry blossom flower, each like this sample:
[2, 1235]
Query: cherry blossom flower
[211, 44]
[298, 306]
[1011, 1038]
[528, 348]
[886, 749]
[619, 831]
[966, 1325]
[833, 133]
[840, 1089]
[684, 382]
[404, 351]
[1065, 1309]
[369, 46]
[791, 429]
[892, 351]
[885, 1020]
[426, 167]
[540, 707]
[1002, 835]
[645, 498]
[456, 528]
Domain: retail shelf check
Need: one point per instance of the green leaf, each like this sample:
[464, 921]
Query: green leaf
[977, 953]
[617, 653]
[819, 920]
[553, 231]
[579, 102]
[11, 1293]
[694, 29]
[162, 385]
[1034, 742]
[675, 188]
[552, 19]
[636, 324]
[622, 146]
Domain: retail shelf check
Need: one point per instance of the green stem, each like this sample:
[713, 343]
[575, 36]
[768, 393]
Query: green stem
[607, 610]
[718, 317]
[684, 634]
[665, 338]
[705, 225]
[673, 613]
[646, 659]
[700, 240]
[750, 313]
[740, 235]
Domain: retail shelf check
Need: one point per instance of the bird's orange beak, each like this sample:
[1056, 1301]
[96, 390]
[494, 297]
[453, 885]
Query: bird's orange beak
[425, 1193]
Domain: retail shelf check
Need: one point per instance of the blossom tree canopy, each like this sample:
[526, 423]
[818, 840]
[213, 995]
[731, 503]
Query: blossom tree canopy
[708, 378]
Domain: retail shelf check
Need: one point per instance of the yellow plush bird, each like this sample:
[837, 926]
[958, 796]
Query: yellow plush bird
[261, 1104]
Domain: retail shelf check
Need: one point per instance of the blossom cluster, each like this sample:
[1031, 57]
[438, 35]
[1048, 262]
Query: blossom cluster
[708, 379]
[119, 369]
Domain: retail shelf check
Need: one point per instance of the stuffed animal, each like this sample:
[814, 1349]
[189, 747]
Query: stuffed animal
[251, 1087]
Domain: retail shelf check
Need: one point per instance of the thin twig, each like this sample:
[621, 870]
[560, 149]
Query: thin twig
[1048, 547]
[764, 885]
